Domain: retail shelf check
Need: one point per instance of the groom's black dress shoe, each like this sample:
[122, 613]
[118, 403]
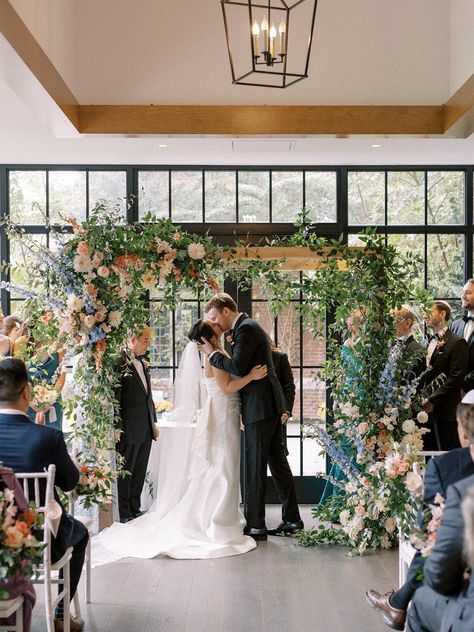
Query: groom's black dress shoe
[287, 528]
[257, 534]
[138, 514]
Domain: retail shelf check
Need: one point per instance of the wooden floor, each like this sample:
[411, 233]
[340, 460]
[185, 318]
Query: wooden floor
[279, 587]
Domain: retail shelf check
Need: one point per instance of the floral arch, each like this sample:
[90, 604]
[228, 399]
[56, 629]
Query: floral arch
[90, 293]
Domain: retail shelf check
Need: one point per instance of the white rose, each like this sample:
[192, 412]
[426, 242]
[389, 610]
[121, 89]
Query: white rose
[82, 263]
[344, 517]
[422, 417]
[409, 426]
[390, 524]
[115, 318]
[196, 251]
[148, 281]
[89, 321]
[414, 483]
[103, 271]
[74, 303]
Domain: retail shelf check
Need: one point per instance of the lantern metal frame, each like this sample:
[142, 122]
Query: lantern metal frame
[284, 77]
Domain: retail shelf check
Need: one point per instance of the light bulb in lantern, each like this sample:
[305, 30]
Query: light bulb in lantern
[273, 34]
[255, 36]
[282, 31]
[264, 28]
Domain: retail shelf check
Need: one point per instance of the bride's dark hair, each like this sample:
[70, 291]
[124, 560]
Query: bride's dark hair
[199, 330]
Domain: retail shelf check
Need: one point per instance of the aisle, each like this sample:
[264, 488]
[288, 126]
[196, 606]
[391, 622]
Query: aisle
[280, 587]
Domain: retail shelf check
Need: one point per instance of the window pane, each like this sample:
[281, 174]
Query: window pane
[220, 196]
[406, 197]
[28, 196]
[289, 340]
[153, 193]
[411, 244]
[161, 384]
[254, 196]
[445, 197]
[321, 195]
[108, 186]
[186, 196]
[445, 265]
[287, 195]
[67, 195]
[313, 461]
[314, 343]
[161, 348]
[294, 458]
[262, 313]
[366, 197]
[186, 315]
[20, 260]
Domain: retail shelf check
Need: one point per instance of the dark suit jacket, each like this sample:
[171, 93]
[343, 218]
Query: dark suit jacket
[457, 327]
[27, 447]
[413, 348]
[452, 359]
[445, 566]
[285, 377]
[261, 399]
[445, 470]
[136, 410]
[459, 613]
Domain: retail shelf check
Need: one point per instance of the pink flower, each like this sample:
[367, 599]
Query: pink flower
[82, 248]
[103, 271]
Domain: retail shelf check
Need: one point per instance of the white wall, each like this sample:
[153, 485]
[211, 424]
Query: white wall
[461, 43]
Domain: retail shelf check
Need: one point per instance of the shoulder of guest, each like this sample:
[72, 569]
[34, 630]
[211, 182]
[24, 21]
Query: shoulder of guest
[463, 485]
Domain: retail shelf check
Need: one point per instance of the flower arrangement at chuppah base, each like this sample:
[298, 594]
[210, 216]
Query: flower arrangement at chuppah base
[163, 406]
[19, 547]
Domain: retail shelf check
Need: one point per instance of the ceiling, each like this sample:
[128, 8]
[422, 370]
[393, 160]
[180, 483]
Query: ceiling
[172, 52]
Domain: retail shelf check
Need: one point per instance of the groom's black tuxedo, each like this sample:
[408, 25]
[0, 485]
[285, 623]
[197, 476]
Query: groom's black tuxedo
[263, 403]
[260, 398]
[137, 417]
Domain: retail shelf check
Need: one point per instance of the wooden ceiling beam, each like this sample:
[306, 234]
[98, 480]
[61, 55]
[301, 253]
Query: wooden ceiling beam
[253, 120]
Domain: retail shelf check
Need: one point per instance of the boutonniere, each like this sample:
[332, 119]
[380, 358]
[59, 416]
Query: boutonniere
[230, 339]
[440, 344]
[145, 363]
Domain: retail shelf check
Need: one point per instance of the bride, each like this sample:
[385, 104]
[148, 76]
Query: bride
[196, 514]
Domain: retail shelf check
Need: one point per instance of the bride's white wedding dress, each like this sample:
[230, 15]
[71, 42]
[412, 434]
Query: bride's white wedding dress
[207, 521]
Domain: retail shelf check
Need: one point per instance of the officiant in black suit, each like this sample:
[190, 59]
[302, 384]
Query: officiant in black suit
[27, 447]
[464, 327]
[446, 353]
[135, 423]
[263, 405]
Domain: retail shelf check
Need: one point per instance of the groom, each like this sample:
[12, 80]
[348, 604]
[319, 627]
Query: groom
[263, 405]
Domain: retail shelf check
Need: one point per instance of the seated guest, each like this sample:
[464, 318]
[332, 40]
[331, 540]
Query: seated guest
[11, 327]
[441, 472]
[445, 602]
[32, 448]
[446, 354]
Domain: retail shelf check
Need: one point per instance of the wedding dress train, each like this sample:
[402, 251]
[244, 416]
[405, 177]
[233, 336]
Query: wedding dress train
[206, 522]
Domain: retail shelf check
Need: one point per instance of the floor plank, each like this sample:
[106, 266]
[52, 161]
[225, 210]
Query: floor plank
[279, 587]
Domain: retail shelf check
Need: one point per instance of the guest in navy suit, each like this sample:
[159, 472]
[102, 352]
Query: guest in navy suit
[441, 472]
[27, 447]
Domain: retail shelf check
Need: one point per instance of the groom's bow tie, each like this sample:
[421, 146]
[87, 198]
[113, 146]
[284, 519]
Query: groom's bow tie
[433, 336]
[466, 319]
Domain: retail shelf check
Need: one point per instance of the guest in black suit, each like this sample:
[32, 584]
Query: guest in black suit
[136, 423]
[441, 472]
[263, 405]
[412, 353]
[287, 382]
[445, 353]
[464, 327]
[26, 447]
